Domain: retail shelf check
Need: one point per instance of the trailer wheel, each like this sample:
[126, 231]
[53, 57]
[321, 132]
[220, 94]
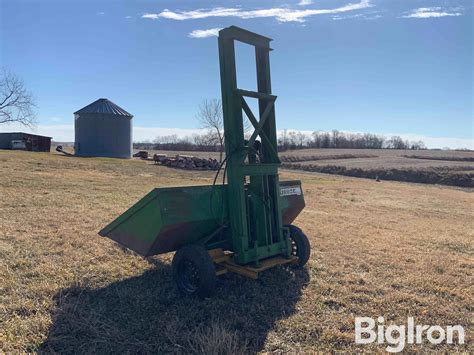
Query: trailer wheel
[194, 271]
[300, 246]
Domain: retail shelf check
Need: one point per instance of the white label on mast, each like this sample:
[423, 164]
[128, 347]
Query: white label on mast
[290, 190]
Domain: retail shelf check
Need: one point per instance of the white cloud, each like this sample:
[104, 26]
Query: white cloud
[365, 16]
[428, 12]
[128, 17]
[374, 17]
[305, 2]
[101, 13]
[151, 16]
[204, 33]
[279, 13]
[65, 133]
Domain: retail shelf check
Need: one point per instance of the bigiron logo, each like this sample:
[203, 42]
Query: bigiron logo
[397, 336]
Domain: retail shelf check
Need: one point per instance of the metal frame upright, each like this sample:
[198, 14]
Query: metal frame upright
[252, 165]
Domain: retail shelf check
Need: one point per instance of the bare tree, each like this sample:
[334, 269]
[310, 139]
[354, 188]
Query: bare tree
[283, 140]
[396, 142]
[210, 117]
[16, 102]
[301, 139]
[171, 139]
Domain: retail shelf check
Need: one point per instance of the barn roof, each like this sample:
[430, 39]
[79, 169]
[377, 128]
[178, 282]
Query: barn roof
[104, 106]
[25, 133]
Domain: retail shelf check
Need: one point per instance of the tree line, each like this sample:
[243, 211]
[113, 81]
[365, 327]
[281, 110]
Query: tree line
[206, 142]
[287, 140]
[336, 139]
[210, 117]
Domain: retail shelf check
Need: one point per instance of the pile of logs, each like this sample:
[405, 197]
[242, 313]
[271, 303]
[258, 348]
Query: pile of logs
[186, 162]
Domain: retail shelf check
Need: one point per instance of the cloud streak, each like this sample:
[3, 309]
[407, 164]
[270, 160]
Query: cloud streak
[211, 32]
[429, 12]
[281, 14]
[374, 15]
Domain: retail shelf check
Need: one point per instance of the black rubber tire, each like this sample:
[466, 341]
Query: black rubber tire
[300, 245]
[193, 271]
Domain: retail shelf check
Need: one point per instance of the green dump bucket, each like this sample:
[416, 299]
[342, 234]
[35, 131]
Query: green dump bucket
[168, 218]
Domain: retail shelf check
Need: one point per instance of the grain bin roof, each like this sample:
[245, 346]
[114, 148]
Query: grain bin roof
[104, 106]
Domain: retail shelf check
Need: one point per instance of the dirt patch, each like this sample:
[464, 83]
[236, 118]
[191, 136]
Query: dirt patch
[446, 158]
[435, 175]
[299, 158]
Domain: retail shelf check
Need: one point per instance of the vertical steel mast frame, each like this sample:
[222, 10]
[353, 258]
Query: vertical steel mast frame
[252, 165]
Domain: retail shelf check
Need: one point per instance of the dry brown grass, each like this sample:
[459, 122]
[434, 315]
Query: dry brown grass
[389, 248]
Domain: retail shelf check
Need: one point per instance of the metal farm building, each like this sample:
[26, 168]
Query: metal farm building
[103, 129]
[33, 142]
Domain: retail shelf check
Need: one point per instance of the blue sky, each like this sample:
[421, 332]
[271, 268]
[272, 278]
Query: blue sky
[384, 66]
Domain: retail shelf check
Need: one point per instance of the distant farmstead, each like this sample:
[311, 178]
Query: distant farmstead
[25, 141]
[103, 129]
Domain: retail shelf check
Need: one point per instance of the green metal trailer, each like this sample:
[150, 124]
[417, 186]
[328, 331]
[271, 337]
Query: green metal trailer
[244, 225]
[170, 217]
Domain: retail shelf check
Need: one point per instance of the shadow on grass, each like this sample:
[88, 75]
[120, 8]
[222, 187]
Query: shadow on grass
[147, 314]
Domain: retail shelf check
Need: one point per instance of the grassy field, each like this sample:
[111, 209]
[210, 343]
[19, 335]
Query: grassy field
[382, 152]
[388, 248]
[381, 158]
[455, 168]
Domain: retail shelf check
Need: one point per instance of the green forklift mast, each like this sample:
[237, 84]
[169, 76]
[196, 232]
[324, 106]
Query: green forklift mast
[244, 226]
[252, 165]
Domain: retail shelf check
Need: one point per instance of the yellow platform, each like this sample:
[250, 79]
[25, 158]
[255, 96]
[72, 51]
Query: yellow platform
[224, 263]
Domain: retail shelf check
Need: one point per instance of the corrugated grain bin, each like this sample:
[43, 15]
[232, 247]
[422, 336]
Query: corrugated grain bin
[103, 129]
